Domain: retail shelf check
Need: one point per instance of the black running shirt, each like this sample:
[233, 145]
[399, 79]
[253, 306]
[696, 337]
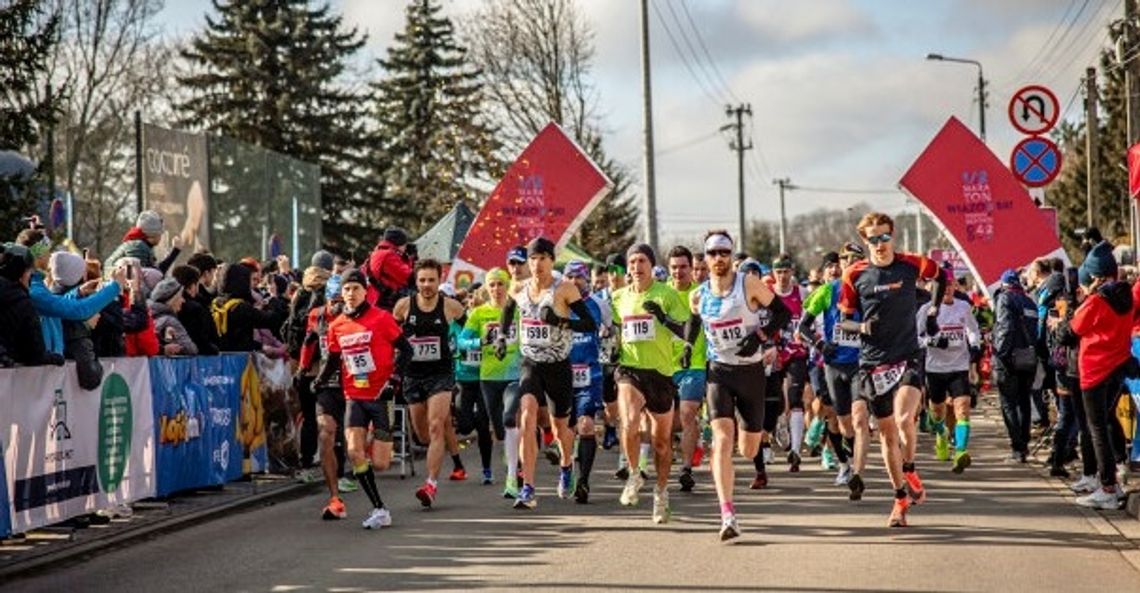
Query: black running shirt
[888, 294]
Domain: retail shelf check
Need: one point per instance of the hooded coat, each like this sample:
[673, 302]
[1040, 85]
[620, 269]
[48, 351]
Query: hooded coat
[1104, 324]
[235, 316]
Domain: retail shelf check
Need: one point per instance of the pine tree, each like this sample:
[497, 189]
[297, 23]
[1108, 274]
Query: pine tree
[27, 37]
[432, 125]
[270, 72]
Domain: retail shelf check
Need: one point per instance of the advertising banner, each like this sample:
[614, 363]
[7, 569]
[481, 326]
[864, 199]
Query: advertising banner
[983, 210]
[251, 419]
[282, 412]
[175, 181]
[69, 451]
[548, 191]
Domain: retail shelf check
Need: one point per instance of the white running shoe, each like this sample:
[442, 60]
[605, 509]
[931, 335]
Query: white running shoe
[729, 528]
[1100, 499]
[661, 510]
[769, 456]
[632, 485]
[378, 518]
[844, 475]
[1123, 473]
[1085, 485]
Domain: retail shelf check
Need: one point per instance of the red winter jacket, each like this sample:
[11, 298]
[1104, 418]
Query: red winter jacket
[1104, 324]
[145, 342]
[388, 268]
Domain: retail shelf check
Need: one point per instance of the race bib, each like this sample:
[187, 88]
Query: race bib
[536, 333]
[845, 338]
[885, 377]
[638, 328]
[425, 349]
[725, 335]
[357, 353]
[473, 357]
[493, 333]
[955, 335]
[581, 375]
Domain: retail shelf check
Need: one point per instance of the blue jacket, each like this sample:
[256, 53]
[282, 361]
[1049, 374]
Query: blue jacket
[54, 308]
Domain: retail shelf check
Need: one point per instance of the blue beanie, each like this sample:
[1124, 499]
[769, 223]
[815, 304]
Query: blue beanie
[1099, 262]
[1010, 277]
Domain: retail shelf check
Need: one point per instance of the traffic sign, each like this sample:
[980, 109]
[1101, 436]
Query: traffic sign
[1034, 110]
[1035, 161]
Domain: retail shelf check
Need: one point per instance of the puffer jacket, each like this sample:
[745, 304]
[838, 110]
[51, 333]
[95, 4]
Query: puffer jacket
[170, 330]
[20, 333]
[1015, 323]
[134, 245]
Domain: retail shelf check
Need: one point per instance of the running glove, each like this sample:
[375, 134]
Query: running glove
[749, 345]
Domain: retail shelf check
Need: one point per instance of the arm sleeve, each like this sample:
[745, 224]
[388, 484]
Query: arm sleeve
[920, 320]
[693, 328]
[779, 318]
[168, 261]
[404, 353]
[585, 322]
[806, 329]
[507, 317]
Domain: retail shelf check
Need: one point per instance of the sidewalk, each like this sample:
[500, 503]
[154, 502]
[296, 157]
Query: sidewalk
[56, 545]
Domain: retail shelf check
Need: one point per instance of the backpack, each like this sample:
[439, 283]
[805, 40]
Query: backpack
[221, 314]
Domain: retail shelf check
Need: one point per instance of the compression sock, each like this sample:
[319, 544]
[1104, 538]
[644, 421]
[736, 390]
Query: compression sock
[938, 426]
[367, 480]
[587, 449]
[511, 444]
[962, 434]
[758, 461]
[836, 440]
[796, 426]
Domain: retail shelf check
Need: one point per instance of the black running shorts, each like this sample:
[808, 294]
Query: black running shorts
[737, 388]
[554, 380]
[658, 390]
[940, 386]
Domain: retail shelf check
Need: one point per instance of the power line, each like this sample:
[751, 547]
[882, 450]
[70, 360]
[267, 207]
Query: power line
[688, 143]
[684, 60]
[1048, 40]
[705, 50]
[1077, 43]
[692, 51]
[1052, 50]
[845, 190]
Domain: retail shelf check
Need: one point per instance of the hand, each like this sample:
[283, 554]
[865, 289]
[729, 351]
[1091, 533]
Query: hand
[547, 314]
[119, 276]
[283, 264]
[932, 324]
[749, 345]
[654, 309]
[176, 241]
[769, 356]
[867, 327]
[172, 349]
[89, 287]
[391, 388]
[501, 347]
[941, 342]
[93, 321]
[686, 359]
[828, 349]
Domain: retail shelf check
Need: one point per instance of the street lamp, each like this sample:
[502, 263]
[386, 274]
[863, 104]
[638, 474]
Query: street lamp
[981, 86]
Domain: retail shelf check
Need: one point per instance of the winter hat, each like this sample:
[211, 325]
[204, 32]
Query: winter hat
[1010, 277]
[322, 259]
[150, 223]
[150, 279]
[353, 275]
[67, 268]
[541, 246]
[643, 249]
[165, 290]
[1099, 263]
[315, 277]
[14, 261]
[396, 236]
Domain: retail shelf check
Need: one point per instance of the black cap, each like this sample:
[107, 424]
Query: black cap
[830, 257]
[540, 246]
[353, 275]
[14, 261]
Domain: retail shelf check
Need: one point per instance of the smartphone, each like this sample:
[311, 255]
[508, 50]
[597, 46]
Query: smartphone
[86, 254]
[1071, 280]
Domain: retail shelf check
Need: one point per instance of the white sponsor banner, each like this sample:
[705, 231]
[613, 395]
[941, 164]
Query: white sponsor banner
[70, 452]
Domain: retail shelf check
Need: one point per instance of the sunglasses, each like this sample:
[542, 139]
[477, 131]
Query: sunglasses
[877, 239]
[719, 253]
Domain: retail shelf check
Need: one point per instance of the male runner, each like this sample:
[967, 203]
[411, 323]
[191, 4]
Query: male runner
[360, 343]
[430, 377]
[729, 309]
[587, 368]
[883, 289]
[840, 351]
[650, 314]
[948, 354]
[700, 268]
[793, 355]
[616, 268]
[545, 331]
[690, 378]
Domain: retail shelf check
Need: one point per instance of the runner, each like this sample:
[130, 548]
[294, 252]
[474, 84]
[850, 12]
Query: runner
[690, 378]
[650, 314]
[471, 410]
[883, 289]
[841, 363]
[430, 377]
[587, 368]
[738, 312]
[616, 275]
[948, 373]
[544, 305]
[366, 347]
[793, 355]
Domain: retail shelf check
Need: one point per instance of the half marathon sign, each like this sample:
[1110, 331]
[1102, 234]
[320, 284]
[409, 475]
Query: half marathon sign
[175, 179]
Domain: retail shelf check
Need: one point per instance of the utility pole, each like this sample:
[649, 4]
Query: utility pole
[1090, 142]
[784, 184]
[739, 146]
[647, 115]
[1131, 106]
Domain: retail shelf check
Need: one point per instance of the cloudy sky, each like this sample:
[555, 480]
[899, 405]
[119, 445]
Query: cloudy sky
[841, 95]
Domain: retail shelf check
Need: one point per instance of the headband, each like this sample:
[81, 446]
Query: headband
[718, 241]
[498, 274]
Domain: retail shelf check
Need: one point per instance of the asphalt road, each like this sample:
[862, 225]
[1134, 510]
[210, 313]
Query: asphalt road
[997, 527]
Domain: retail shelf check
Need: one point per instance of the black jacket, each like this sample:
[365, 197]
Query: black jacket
[200, 325]
[115, 321]
[20, 333]
[243, 318]
[77, 346]
[1015, 324]
[293, 332]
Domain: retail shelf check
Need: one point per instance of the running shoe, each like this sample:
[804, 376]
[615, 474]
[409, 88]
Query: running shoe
[827, 460]
[552, 454]
[914, 486]
[309, 475]
[426, 494]
[347, 485]
[334, 509]
[961, 461]
[458, 474]
[487, 477]
[1105, 500]
[610, 439]
[686, 480]
[377, 518]
[941, 447]
[629, 494]
[844, 475]
[814, 433]
[511, 490]
[1123, 472]
[769, 456]
[898, 513]
[582, 492]
[760, 482]
[622, 473]
[855, 485]
[1085, 485]
[526, 498]
[661, 510]
[565, 482]
[729, 528]
[1058, 471]
[794, 462]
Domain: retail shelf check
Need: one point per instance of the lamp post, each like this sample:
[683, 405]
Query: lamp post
[981, 86]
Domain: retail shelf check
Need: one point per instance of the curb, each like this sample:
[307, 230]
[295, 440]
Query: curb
[54, 559]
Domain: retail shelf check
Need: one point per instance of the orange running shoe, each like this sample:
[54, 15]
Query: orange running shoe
[898, 513]
[334, 510]
[914, 484]
[458, 474]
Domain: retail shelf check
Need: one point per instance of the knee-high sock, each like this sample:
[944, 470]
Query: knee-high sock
[367, 480]
[485, 445]
[836, 440]
[962, 434]
[511, 444]
[587, 449]
[758, 461]
[796, 426]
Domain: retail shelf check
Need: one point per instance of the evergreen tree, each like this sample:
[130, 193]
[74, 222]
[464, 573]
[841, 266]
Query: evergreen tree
[27, 36]
[432, 124]
[270, 72]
